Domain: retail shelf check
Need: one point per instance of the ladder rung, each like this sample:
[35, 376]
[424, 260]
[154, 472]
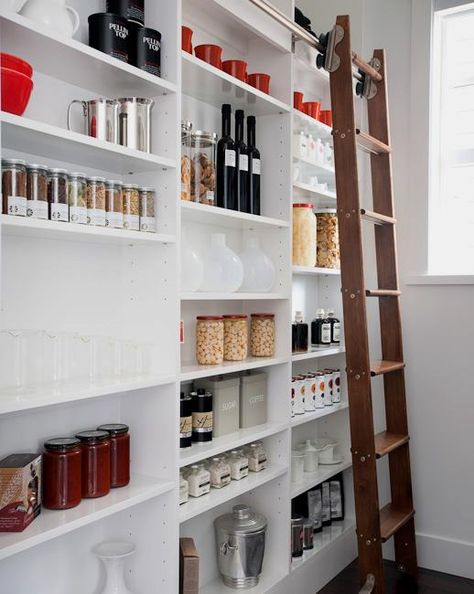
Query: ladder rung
[381, 367]
[382, 293]
[386, 442]
[375, 217]
[372, 145]
[392, 519]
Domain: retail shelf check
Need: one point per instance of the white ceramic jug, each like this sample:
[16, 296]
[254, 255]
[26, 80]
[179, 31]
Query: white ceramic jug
[14, 5]
[54, 14]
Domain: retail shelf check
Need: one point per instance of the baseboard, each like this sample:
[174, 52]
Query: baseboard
[445, 555]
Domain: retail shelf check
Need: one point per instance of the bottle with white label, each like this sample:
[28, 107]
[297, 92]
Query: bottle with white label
[57, 195]
[254, 167]
[76, 197]
[335, 327]
[320, 330]
[37, 191]
[14, 187]
[242, 164]
[225, 166]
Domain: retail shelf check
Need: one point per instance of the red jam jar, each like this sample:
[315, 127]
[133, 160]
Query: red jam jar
[95, 447]
[119, 453]
[62, 473]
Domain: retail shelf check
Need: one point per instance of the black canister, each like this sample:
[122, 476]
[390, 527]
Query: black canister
[145, 49]
[308, 530]
[109, 33]
[296, 535]
[186, 421]
[203, 420]
[132, 10]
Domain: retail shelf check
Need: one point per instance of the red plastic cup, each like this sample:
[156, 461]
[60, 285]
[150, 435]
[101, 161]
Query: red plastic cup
[259, 81]
[16, 63]
[298, 100]
[325, 117]
[312, 108]
[212, 54]
[187, 39]
[237, 68]
[16, 91]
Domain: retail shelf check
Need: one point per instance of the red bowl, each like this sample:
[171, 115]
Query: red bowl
[187, 39]
[259, 81]
[16, 63]
[298, 100]
[16, 91]
[312, 108]
[212, 54]
[325, 117]
[237, 68]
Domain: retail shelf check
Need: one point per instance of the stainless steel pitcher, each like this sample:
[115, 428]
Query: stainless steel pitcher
[100, 118]
[134, 115]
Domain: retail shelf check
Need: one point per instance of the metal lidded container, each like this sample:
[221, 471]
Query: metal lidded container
[240, 539]
[134, 117]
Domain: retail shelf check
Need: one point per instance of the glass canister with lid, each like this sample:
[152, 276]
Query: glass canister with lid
[262, 335]
[186, 128]
[219, 469]
[96, 201]
[257, 456]
[119, 453]
[210, 340]
[147, 210]
[57, 195]
[203, 166]
[113, 204]
[235, 337]
[37, 191]
[304, 235]
[199, 481]
[328, 255]
[131, 207]
[95, 463]
[77, 200]
[62, 473]
[14, 187]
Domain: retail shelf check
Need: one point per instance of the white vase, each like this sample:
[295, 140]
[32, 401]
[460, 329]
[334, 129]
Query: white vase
[259, 271]
[113, 555]
[223, 270]
[192, 268]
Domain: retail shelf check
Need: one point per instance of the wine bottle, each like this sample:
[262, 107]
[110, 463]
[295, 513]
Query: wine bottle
[254, 167]
[242, 164]
[226, 171]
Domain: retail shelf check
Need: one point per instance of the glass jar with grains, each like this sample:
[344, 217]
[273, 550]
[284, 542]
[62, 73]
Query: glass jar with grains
[147, 210]
[186, 128]
[131, 207]
[328, 255]
[14, 187]
[113, 204]
[210, 340]
[304, 235]
[57, 195]
[95, 197]
[37, 191]
[262, 335]
[76, 197]
[235, 337]
[203, 166]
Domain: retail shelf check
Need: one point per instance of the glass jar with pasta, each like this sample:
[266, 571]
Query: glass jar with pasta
[186, 128]
[328, 255]
[304, 235]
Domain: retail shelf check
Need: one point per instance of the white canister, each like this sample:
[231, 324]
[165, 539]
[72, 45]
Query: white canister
[297, 466]
[300, 387]
[309, 392]
[300, 145]
[293, 396]
[329, 379]
[310, 457]
[320, 390]
[336, 386]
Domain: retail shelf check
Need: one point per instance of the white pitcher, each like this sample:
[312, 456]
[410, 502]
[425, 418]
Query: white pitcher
[54, 14]
[14, 5]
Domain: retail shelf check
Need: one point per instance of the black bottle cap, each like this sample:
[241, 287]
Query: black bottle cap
[226, 108]
[250, 119]
[239, 114]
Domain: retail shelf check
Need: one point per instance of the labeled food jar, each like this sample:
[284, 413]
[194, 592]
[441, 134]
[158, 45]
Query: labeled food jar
[300, 394]
[239, 465]
[113, 204]
[210, 340]
[186, 421]
[109, 33]
[144, 49]
[328, 255]
[131, 207]
[304, 235]
[62, 473]
[37, 191]
[220, 472]
[76, 197]
[183, 490]
[95, 463]
[257, 456]
[235, 338]
[199, 481]
[186, 128]
[147, 209]
[14, 187]
[95, 198]
[119, 453]
[132, 10]
[262, 335]
[57, 195]
[203, 166]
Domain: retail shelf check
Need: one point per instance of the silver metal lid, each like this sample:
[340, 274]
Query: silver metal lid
[146, 189]
[33, 166]
[130, 186]
[243, 520]
[76, 174]
[203, 139]
[96, 178]
[13, 162]
[57, 171]
[113, 182]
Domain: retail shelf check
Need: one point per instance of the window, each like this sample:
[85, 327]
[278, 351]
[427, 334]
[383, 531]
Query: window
[451, 226]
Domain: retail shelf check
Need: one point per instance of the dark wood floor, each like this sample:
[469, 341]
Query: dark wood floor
[429, 582]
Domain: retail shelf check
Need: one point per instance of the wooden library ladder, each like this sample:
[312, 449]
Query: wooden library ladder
[374, 525]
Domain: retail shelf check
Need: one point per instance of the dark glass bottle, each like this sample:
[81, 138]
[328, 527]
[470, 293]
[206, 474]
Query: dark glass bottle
[254, 167]
[242, 164]
[225, 186]
[320, 330]
[299, 334]
[335, 328]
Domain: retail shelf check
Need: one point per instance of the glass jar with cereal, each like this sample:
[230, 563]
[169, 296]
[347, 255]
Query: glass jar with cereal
[262, 335]
[235, 338]
[210, 340]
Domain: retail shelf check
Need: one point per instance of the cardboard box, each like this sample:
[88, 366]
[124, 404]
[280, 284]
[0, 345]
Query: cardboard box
[188, 567]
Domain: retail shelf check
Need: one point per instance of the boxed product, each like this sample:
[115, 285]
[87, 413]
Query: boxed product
[225, 390]
[253, 399]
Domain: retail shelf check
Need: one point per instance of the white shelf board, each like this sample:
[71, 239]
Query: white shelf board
[324, 540]
[201, 451]
[212, 85]
[200, 505]
[312, 479]
[214, 215]
[197, 296]
[53, 54]
[193, 370]
[57, 144]
[318, 414]
[73, 392]
[268, 580]
[317, 353]
[314, 270]
[53, 523]
[318, 197]
[305, 123]
[28, 227]
[322, 170]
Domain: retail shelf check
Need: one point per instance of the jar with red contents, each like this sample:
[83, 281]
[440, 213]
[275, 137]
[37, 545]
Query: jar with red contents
[119, 453]
[95, 447]
[62, 473]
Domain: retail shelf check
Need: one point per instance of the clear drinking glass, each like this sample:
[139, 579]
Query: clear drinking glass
[32, 359]
[10, 361]
[106, 359]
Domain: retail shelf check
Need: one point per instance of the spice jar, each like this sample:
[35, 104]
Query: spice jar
[262, 335]
[239, 465]
[186, 160]
[131, 207]
[119, 453]
[37, 191]
[203, 166]
[235, 337]
[199, 481]
[304, 235]
[147, 210]
[96, 201]
[183, 489]
[219, 469]
[14, 187]
[210, 340]
[113, 204]
[57, 195]
[257, 456]
[328, 255]
[62, 473]
[297, 535]
[95, 465]
[203, 416]
[76, 197]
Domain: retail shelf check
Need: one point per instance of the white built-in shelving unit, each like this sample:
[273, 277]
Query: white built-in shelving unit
[68, 278]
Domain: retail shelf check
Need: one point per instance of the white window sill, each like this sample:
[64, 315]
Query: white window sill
[440, 279]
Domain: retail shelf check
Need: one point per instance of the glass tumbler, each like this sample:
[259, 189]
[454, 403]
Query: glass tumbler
[10, 361]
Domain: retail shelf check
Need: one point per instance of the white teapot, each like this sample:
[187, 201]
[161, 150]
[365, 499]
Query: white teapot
[54, 14]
